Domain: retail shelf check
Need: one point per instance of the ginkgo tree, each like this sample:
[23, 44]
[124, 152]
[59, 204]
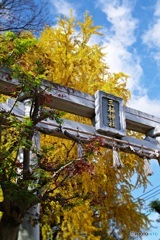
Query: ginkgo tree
[82, 196]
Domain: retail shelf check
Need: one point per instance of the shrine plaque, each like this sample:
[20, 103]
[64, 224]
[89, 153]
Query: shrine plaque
[109, 114]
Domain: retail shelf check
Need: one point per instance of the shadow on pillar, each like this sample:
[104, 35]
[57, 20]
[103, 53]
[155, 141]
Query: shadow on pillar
[27, 231]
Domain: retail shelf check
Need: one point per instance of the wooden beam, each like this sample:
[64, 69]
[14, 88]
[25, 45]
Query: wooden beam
[70, 100]
[82, 104]
[84, 131]
[140, 121]
[71, 129]
[61, 98]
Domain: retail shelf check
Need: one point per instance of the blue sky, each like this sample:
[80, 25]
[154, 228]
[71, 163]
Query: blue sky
[132, 39]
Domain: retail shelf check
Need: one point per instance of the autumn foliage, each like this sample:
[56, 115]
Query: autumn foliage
[82, 197]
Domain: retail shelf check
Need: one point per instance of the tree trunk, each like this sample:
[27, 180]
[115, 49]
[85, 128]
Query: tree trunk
[8, 230]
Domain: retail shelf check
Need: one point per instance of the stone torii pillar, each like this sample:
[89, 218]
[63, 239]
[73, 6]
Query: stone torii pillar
[27, 231]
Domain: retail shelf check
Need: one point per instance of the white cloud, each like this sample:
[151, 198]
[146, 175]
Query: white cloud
[157, 9]
[63, 7]
[143, 103]
[119, 40]
[151, 37]
[120, 59]
[123, 24]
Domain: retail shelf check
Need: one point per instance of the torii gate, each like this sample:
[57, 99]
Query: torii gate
[109, 117]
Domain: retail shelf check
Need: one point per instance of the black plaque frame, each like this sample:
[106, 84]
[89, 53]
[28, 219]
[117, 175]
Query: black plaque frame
[102, 101]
